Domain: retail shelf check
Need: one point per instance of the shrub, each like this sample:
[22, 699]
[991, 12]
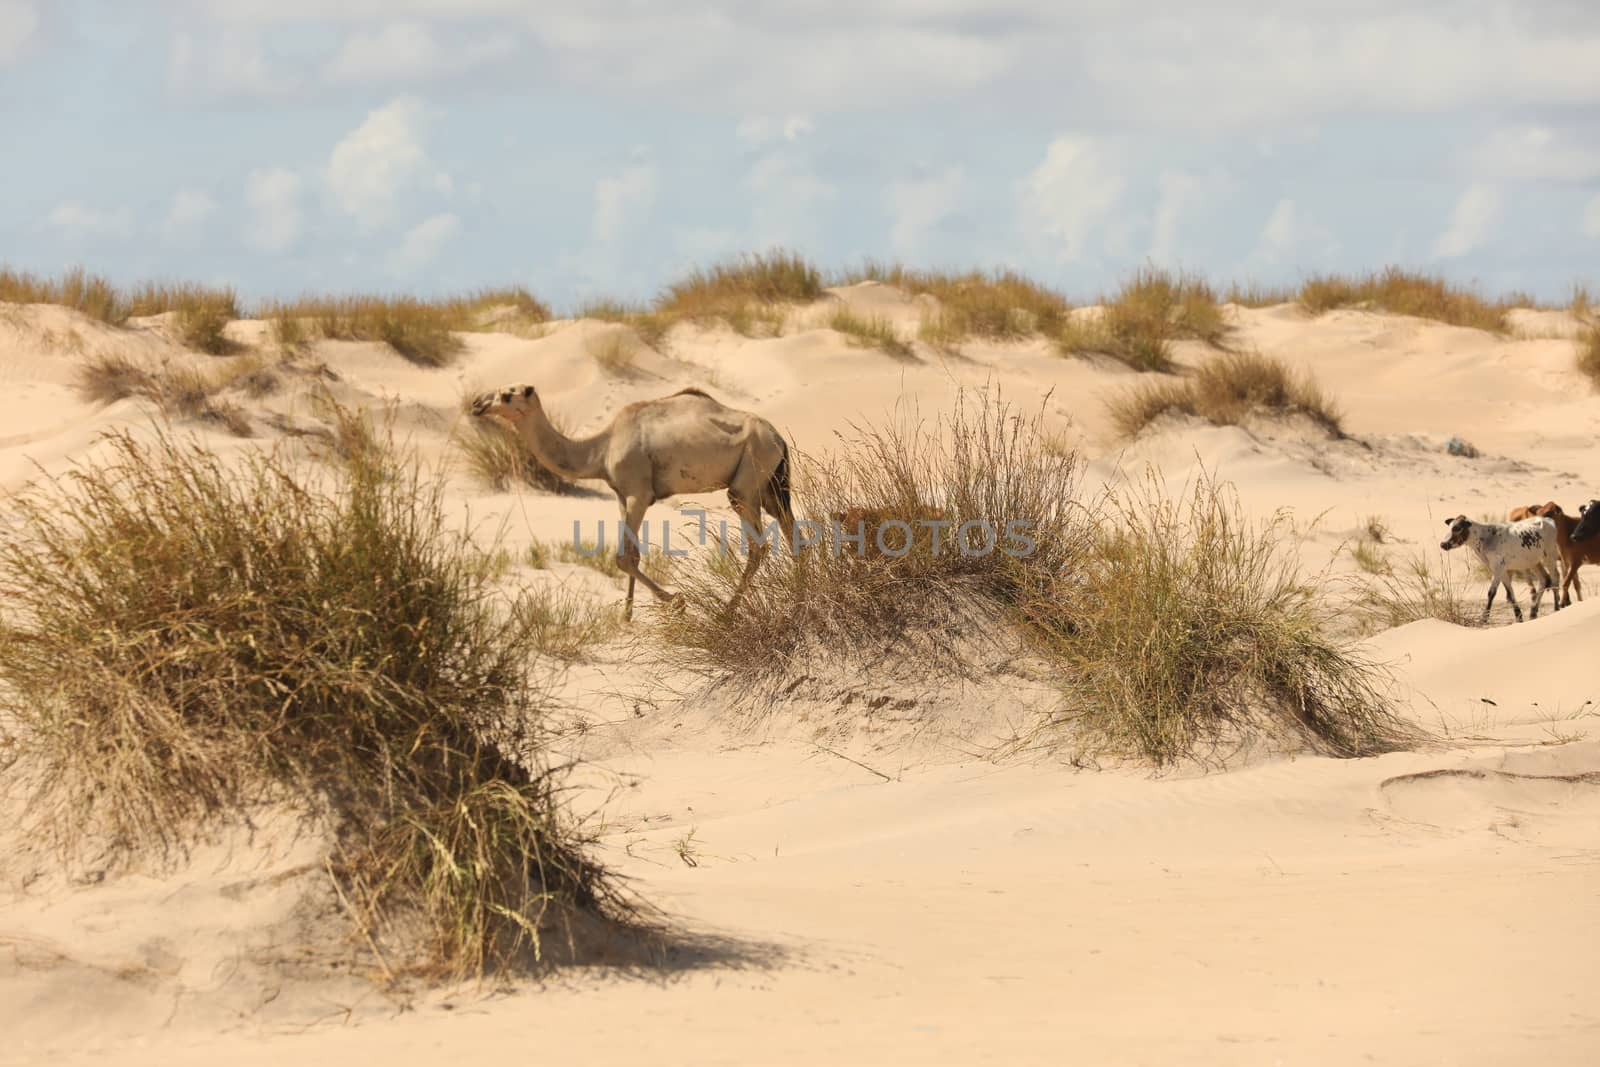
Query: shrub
[1224, 391]
[1192, 627]
[982, 462]
[1405, 293]
[202, 319]
[183, 640]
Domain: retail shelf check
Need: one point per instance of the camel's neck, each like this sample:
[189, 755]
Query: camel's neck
[580, 458]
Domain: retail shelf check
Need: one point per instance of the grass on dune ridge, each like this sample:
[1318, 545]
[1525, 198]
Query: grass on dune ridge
[1174, 626]
[183, 639]
[1224, 391]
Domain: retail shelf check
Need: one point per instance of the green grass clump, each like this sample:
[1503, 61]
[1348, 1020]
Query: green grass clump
[1403, 292]
[1224, 391]
[183, 640]
[1192, 629]
[869, 332]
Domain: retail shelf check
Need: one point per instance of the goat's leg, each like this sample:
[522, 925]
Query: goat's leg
[1511, 597]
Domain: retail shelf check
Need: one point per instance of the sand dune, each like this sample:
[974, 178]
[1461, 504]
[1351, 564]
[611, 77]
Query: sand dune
[895, 895]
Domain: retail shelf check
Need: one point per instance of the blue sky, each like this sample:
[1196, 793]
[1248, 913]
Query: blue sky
[599, 148]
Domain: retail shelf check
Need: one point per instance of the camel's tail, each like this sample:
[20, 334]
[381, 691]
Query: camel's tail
[780, 484]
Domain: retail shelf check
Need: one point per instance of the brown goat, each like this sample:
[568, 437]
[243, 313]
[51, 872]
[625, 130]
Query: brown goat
[1574, 554]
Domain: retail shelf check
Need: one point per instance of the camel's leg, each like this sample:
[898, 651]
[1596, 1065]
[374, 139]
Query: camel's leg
[633, 509]
[769, 503]
[755, 549]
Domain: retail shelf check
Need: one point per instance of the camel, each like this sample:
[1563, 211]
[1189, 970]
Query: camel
[655, 449]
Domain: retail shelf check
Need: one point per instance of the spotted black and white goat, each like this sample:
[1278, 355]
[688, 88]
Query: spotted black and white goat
[1527, 546]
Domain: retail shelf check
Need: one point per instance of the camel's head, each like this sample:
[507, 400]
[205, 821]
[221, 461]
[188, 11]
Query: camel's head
[1460, 527]
[510, 403]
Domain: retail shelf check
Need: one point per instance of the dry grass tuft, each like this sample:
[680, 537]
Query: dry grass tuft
[994, 306]
[1224, 391]
[418, 330]
[176, 391]
[500, 459]
[1588, 359]
[652, 327]
[1192, 629]
[1394, 596]
[615, 350]
[980, 463]
[90, 294]
[1255, 295]
[183, 639]
[1174, 626]
[1149, 312]
[742, 292]
[869, 332]
[1402, 292]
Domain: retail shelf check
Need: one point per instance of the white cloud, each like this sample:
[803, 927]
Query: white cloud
[1068, 195]
[409, 51]
[274, 200]
[77, 221]
[1240, 65]
[623, 200]
[1475, 212]
[1290, 231]
[1178, 196]
[19, 21]
[918, 206]
[190, 208]
[760, 130]
[785, 192]
[1535, 153]
[422, 243]
[232, 62]
[1591, 217]
[377, 160]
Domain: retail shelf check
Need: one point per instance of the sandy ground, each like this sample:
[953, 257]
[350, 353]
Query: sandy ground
[881, 889]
